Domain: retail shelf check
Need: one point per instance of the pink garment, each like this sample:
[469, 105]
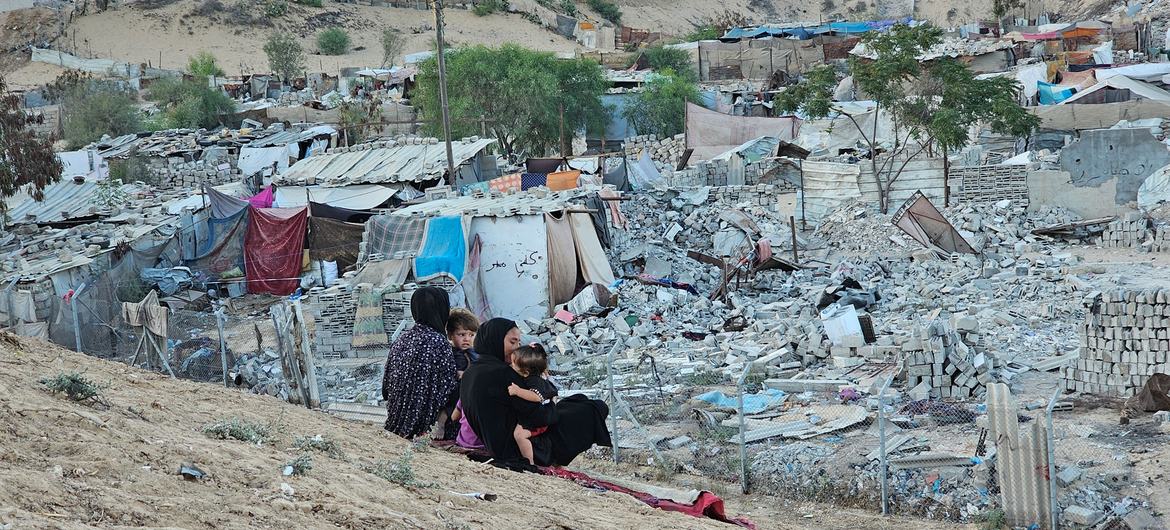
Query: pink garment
[467, 438]
[263, 199]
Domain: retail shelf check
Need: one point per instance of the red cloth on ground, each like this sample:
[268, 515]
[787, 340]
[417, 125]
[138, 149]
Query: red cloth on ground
[707, 505]
[539, 431]
[263, 199]
[274, 249]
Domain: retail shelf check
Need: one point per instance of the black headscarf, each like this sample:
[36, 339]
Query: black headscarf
[489, 340]
[431, 307]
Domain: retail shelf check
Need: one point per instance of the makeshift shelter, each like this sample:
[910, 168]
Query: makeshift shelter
[274, 249]
[516, 256]
[710, 133]
[410, 162]
[1118, 89]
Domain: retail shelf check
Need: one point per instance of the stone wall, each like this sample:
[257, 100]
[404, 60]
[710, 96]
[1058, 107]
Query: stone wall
[169, 173]
[666, 150]
[716, 172]
[1125, 339]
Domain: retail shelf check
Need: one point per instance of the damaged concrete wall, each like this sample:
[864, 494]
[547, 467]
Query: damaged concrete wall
[1126, 156]
[1081, 117]
[1055, 188]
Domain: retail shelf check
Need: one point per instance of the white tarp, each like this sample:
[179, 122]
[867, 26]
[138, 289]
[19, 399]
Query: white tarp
[839, 132]
[355, 197]
[827, 185]
[88, 164]
[1155, 190]
[1141, 72]
[513, 265]
[255, 159]
[643, 174]
[1103, 54]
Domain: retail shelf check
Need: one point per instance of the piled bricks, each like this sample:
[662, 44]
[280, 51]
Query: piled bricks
[172, 173]
[754, 195]
[716, 173]
[666, 150]
[946, 361]
[333, 312]
[1125, 339]
[1130, 231]
[991, 183]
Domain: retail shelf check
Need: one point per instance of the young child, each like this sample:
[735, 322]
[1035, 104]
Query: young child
[531, 362]
[466, 437]
[461, 328]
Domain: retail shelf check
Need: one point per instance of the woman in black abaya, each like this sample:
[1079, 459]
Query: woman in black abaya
[575, 424]
[420, 370]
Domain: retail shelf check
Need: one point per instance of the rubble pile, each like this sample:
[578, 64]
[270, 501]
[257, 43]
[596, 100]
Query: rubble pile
[719, 172]
[948, 364]
[260, 372]
[1136, 231]
[1125, 339]
[664, 150]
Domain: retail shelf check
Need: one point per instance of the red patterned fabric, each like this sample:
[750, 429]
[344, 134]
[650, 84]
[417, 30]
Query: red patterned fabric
[707, 505]
[274, 249]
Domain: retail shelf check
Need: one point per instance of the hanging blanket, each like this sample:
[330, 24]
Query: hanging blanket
[332, 240]
[222, 253]
[706, 505]
[147, 313]
[533, 180]
[368, 329]
[317, 209]
[444, 250]
[565, 180]
[223, 205]
[506, 183]
[591, 257]
[263, 199]
[389, 235]
[562, 259]
[274, 249]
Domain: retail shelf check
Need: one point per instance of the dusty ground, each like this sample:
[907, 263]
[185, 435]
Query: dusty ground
[113, 464]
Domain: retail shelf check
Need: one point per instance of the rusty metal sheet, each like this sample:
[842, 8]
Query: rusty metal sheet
[922, 221]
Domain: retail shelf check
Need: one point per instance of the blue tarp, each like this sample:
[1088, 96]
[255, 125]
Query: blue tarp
[752, 403]
[444, 249]
[1051, 94]
[804, 33]
[618, 128]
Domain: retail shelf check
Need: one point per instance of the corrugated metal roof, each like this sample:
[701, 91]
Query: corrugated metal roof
[63, 201]
[526, 203]
[400, 163]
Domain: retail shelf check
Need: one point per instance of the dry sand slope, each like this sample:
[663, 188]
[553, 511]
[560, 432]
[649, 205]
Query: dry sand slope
[71, 465]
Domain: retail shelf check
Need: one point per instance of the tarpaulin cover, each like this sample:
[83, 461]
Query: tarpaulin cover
[752, 403]
[256, 159]
[340, 214]
[562, 259]
[707, 505]
[389, 235]
[263, 199]
[147, 313]
[333, 240]
[444, 251]
[223, 205]
[274, 249]
[564, 180]
[710, 133]
[591, 257]
[532, 180]
[542, 165]
[223, 251]
[1153, 396]
[1051, 94]
[922, 221]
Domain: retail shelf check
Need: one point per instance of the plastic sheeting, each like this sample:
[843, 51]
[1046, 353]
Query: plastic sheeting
[355, 197]
[591, 257]
[274, 249]
[1051, 94]
[710, 133]
[1155, 190]
[256, 159]
[264, 199]
[444, 250]
[223, 251]
[752, 403]
[562, 259]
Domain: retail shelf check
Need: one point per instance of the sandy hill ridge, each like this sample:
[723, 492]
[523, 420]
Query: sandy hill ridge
[115, 464]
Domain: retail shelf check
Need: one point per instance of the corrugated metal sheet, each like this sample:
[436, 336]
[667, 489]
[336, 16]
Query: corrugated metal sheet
[827, 185]
[1021, 460]
[402, 163]
[63, 201]
[497, 206]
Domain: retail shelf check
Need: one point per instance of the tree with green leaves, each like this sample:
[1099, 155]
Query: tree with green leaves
[1001, 8]
[393, 42]
[518, 95]
[91, 108]
[933, 104]
[204, 64]
[190, 103]
[26, 160]
[333, 41]
[660, 58]
[660, 108]
[286, 57]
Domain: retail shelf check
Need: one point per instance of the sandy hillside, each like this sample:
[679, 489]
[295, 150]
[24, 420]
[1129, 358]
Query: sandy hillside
[114, 463]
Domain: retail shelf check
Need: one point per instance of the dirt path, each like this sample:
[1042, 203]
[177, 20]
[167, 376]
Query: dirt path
[115, 463]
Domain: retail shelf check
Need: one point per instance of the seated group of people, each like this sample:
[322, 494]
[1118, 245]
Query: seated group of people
[483, 388]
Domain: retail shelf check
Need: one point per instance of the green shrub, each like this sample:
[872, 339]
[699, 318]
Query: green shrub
[189, 103]
[204, 64]
[300, 465]
[310, 3]
[276, 8]
[607, 9]
[333, 41]
[237, 429]
[75, 386]
[484, 8]
[96, 108]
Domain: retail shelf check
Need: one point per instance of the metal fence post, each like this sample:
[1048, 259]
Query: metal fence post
[219, 317]
[73, 310]
[613, 399]
[1053, 507]
[883, 459]
[743, 471]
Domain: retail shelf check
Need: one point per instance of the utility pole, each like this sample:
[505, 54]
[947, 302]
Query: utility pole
[443, 89]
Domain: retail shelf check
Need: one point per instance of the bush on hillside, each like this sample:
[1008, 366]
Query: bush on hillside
[333, 41]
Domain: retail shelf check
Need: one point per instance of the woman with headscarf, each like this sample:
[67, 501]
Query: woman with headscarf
[575, 424]
[420, 371]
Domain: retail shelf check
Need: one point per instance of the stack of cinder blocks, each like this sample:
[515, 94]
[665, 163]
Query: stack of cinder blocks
[947, 363]
[1124, 340]
[332, 310]
[991, 183]
[665, 150]
[1132, 230]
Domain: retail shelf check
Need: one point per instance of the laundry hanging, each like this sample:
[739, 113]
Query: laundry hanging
[390, 235]
[444, 251]
[274, 249]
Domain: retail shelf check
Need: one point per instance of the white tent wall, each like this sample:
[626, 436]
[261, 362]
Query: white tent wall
[514, 265]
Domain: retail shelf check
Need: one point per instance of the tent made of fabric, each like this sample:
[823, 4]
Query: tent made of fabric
[274, 249]
[1137, 90]
[353, 197]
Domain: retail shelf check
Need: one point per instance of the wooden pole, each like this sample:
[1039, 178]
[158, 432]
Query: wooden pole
[792, 225]
[442, 63]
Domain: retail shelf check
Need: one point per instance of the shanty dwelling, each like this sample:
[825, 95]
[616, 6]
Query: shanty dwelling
[517, 256]
[418, 162]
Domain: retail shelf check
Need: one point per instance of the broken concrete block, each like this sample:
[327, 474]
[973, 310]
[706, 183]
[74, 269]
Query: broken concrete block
[1079, 515]
[1068, 476]
[681, 441]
